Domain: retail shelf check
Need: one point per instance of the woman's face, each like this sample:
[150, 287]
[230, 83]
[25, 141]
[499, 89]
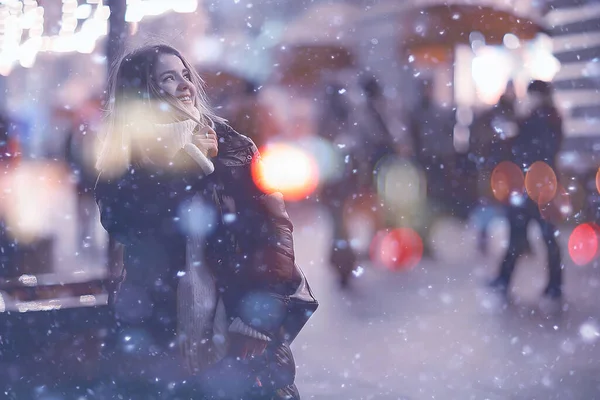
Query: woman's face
[175, 79]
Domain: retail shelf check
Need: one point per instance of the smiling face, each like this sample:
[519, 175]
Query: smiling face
[173, 78]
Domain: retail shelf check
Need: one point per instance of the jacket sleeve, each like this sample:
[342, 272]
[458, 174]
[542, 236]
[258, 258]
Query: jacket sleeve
[144, 202]
[270, 234]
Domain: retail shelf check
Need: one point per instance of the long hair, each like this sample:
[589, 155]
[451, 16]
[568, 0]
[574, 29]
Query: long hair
[134, 98]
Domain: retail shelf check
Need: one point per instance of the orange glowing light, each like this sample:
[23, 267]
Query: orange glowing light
[541, 182]
[286, 169]
[559, 208]
[598, 180]
[583, 243]
[507, 178]
[399, 249]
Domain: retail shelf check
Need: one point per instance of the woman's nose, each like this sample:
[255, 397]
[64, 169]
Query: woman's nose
[184, 84]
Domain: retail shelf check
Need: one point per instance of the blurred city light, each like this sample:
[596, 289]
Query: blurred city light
[400, 184]
[398, 249]
[507, 179]
[491, 71]
[287, 169]
[330, 161]
[539, 60]
[23, 27]
[20, 205]
[197, 218]
[541, 183]
[583, 243]
[138, 9]
[511, 41]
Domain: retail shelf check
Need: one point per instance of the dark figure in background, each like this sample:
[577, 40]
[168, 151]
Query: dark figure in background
[361, 138]
[8, 157]
[335, 125]
[431, 130]
[245, 112]
[80, 155]
[539, 139]
[378, 140]
[490, 142]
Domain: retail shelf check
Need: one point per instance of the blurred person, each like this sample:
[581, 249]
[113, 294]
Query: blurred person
[9, 155]
[336, 127]
[539, 138]
[490, 141]
[232, 298]
[246, 113]
[431, 131]
[360, 135]
[79, 154]
[378, 140]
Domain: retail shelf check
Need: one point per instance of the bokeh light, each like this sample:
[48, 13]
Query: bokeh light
[598, 180]
[286, 169]
[507, 179]
[559, 209]
[29, 194]
[541, 183]
[398, 249]
[400, 184]
[197, 218]
[583, 243]
[329, 160]
[491, 69]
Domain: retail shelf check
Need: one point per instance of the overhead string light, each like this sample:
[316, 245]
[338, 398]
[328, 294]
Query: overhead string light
[81, 26]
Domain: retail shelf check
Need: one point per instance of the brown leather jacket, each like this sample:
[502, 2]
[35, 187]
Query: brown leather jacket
[250, 244]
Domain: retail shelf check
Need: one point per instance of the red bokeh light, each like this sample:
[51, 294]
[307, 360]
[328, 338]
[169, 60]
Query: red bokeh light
[507, 178]
[583, 243]
[541, 182]
[397, 249]
[286, 169]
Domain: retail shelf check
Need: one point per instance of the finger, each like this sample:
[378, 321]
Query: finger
[202, 141]
[206, 144]
[207, 132]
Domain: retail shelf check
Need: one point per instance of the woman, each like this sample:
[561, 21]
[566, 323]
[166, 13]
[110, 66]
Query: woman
[208, 257]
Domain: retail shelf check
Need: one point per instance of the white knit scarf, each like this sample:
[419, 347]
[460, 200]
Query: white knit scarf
[201, 318]
[173, 136]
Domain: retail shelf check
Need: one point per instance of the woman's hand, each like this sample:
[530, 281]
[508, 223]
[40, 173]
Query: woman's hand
[206, 140]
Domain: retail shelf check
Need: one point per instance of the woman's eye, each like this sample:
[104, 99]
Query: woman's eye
[167, 78]
[188, 77]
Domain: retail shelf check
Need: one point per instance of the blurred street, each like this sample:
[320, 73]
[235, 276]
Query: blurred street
[142, 143]
[436, 333]
[433, 332]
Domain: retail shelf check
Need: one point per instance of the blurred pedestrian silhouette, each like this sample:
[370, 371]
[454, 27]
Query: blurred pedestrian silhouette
[80, 156]
[246, 113]
[490, 141]
[335, 126]
[360, 135]
[539, 138]
[431, 131]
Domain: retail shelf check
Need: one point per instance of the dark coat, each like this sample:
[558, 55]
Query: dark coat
[250, 250]
[540, 138]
